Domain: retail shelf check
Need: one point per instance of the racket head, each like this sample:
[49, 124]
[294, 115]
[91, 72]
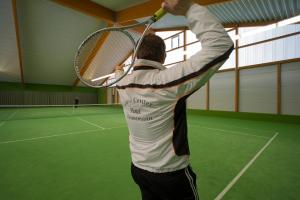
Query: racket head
[99, 54]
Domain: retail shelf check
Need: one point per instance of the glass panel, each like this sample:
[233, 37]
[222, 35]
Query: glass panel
[190, 37]
[230, 63]
[174, 56]
[283, 49]
[174, 42]
[280, 31]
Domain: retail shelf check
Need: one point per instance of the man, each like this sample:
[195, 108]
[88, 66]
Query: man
[153, 100]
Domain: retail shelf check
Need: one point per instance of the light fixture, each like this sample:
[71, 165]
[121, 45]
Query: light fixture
[102, 77]
[289, 21]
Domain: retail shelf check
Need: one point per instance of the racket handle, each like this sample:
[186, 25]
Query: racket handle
[158, 14]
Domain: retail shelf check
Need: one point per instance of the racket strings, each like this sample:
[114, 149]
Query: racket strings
[99, 56]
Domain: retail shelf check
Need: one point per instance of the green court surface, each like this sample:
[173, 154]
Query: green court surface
[82, 153]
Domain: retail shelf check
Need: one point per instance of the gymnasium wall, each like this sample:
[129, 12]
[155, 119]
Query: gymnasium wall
[290, 88]
[39, 94]
[257, 90]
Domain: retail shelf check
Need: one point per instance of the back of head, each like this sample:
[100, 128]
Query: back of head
[152, 48]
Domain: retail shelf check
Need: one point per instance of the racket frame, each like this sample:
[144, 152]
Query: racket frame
[159, 14]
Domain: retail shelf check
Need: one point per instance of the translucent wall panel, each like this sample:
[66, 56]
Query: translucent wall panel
[198, 99]
[174, 56]
[221, 91]
[290, 92]
[284, 30]
[190, 37]
[258, 90]
[230, 62]
[283, 49]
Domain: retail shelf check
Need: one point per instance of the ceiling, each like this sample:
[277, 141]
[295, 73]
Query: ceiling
[117, 5]
[49, 32]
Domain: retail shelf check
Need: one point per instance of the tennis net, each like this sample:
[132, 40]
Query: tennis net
[19, 112]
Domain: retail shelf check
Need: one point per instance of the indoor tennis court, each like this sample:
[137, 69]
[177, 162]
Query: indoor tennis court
[65, 151]
[60, 138]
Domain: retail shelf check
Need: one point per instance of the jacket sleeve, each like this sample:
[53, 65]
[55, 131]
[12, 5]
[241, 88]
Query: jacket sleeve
[185, 78]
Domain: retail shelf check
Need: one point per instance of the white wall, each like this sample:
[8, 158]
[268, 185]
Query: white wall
[290, 88]
[198, 99]
[258, 90]
[221, 91]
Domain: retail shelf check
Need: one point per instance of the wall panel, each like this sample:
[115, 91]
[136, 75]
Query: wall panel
[290, 88]
[221, 91]
[45, 98]
[258, 90]
[198, 99]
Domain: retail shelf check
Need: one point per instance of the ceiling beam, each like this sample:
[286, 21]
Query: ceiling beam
[148, 9]
[92, 55]
[16, 22]
[90, 8]
[248, 24]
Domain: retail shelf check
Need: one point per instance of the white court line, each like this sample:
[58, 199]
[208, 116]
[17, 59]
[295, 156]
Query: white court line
[115, 127]
[90, 123]
[9, 117]
[58, 135]
[229, 131]
[49, 136]
[240, 174]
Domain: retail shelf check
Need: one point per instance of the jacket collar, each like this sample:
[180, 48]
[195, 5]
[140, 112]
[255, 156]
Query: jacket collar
[150, 63]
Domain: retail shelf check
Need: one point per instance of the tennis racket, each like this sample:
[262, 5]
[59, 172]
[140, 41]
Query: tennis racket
[99, 54]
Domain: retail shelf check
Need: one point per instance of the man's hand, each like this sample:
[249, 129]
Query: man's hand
[177, 7]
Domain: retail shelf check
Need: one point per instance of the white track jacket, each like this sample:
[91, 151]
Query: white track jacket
[154, 97]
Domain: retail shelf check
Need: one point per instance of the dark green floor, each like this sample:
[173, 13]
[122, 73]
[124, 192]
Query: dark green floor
[86, 156]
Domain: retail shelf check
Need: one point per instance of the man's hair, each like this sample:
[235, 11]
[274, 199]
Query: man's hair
[152, 48]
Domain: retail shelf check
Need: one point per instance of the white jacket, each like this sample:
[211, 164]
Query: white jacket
[153, 97]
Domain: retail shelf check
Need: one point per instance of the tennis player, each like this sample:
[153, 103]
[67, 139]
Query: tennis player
[154, 104]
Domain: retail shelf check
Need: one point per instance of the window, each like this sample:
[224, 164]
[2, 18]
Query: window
[190, 37]
[175, 41]
[230, 63]
[174, 56]
[282, 49]
[279, 31]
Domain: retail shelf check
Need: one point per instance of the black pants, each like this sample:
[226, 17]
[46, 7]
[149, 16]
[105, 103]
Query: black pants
[178, 185]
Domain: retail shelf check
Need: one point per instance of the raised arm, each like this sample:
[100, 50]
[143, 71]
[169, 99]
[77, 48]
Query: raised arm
[186, 77]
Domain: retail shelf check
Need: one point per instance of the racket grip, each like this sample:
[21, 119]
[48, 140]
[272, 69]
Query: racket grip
[158, 14]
